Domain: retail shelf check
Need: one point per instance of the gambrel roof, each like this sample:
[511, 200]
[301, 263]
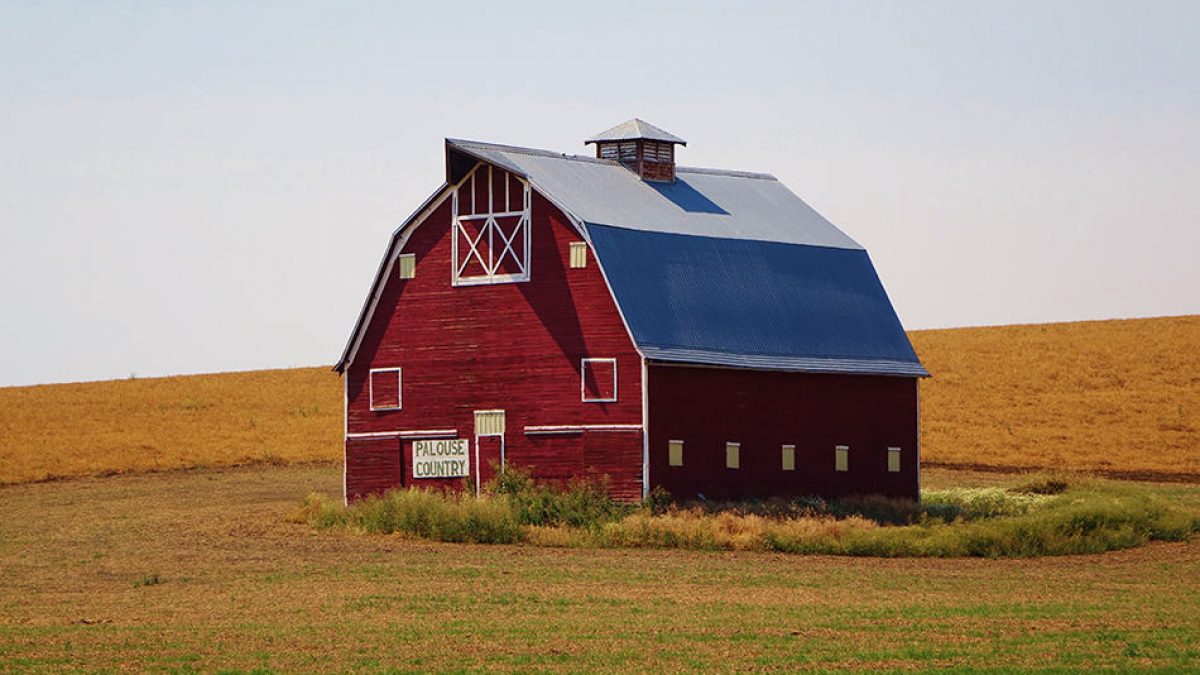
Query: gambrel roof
[719, 268]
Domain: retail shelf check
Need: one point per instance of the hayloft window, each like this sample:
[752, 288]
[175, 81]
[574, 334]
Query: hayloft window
[598, 380]
[893, 462]
[384, 388]
[733, 455]
[490, 213]
[407, 265]
[578, 254]
[675, 453]
[789, 458]
[841, 458]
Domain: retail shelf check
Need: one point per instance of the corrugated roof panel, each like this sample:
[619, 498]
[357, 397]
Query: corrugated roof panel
[702, 202]
[753, 304]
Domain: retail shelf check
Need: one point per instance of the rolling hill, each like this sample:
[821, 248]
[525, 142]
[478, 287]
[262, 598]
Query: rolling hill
[1117, 397]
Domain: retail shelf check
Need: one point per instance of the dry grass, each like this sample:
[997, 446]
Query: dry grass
[1116, 397]
[203, 571]
[271, 416]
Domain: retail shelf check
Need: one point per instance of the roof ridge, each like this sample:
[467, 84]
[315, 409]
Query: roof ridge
[530, 151]
[725, 172]
[596, 160]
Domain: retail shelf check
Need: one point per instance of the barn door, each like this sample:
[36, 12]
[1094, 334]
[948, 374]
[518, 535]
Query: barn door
[490, 450]
[489, 445]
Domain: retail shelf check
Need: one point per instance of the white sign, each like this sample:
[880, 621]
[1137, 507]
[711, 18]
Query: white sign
[450, 458]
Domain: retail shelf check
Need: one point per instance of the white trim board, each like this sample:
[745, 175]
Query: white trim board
[416, 433]
[548, 429]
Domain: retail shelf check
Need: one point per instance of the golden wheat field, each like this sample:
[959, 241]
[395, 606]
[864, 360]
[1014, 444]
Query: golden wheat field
[1116, 397]
[277, 416]
[1120, 397]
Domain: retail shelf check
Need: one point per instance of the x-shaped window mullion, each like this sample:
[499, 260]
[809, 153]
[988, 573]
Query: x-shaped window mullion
[508, 248]
[474, 244]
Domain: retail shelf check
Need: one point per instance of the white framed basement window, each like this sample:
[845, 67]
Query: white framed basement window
[384, 388]
[598, 380]
[841, 458]
[675, 453]
[893, 456]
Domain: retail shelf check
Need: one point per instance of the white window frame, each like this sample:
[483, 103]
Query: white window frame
[783, 452]
[583, 363]
[736, 447]
[896, 452]
[492, 231]
[399, 388]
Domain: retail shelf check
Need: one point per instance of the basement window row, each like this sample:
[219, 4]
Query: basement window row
[733, 456]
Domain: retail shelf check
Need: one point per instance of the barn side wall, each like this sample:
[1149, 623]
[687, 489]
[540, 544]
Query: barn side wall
[762, 411]
[516, 347]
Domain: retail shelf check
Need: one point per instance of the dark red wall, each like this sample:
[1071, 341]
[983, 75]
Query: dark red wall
[512, 346]
[707, 407]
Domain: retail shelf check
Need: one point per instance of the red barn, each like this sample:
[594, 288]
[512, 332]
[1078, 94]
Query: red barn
[697, 329]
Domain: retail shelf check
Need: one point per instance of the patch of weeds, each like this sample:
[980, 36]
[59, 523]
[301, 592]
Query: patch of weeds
[577, 503]
[152, 579]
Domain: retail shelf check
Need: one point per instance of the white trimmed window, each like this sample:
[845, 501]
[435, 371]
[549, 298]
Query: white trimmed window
[733, 455]
[406, 263]
[789, 458]
[841, 458]
[489, 422]
[578, 254]
[893, 460]
[675, 453]
[490, 215]
[383, 388]
[598, 380]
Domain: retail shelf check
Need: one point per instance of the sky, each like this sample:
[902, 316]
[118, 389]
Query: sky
[202, 187]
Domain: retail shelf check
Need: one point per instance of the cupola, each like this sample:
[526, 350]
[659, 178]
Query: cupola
[641, 147]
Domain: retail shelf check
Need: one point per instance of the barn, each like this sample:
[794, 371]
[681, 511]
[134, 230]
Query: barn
[620, 315]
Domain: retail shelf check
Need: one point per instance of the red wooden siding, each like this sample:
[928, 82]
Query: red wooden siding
[762, 411]
[517, 347]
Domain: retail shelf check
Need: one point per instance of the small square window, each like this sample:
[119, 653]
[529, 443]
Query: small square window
[733, 455]
[578, 254]
[841, 458]
[407, 263]
[893, 460]
[675, 453]
[383, 388]
[789, 458]
[598, 380]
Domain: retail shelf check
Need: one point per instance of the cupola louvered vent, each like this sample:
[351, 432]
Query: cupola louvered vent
[641, 147]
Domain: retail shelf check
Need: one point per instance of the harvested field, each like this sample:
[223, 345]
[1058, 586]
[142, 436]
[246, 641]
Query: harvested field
[201, 570]
[95, 428]
[1121, 398]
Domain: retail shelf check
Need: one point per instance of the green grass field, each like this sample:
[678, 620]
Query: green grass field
[204, 571]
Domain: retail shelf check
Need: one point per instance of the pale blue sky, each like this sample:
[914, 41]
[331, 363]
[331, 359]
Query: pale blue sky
[203, 187]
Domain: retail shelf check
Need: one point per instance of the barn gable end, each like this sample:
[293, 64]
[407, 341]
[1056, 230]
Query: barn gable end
[471, 332]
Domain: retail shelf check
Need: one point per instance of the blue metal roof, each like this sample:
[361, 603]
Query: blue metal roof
[753, 304]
